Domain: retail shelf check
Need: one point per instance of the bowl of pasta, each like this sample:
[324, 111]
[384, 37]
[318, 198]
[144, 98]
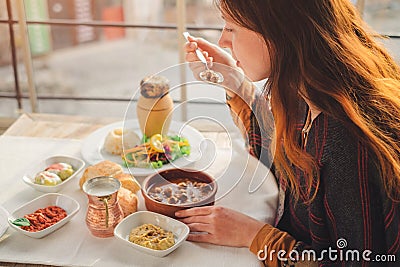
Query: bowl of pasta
[151, 233]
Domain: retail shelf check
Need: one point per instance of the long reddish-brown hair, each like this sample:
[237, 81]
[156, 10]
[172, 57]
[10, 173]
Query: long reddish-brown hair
[320, 50]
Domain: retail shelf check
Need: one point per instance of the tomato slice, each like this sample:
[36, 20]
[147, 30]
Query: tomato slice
[156, 143]
[55, 166]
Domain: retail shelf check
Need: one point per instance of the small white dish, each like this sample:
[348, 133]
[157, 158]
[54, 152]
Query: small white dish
[29, 177]
[179, 229]
[70, 205]
[3, 220]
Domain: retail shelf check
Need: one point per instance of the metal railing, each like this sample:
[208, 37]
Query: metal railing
[65, 22]
[18, 95]
[179, 27]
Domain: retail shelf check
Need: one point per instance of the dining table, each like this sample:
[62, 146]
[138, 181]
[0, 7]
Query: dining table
[244, 184]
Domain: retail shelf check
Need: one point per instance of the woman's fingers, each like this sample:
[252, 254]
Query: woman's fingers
[194, 211]
[208, 49]
[191, 57]
[205, 45]
[199, 227]
[196, 219]
[219, 54]
[190, 46]
[191, 53]
[200, 237]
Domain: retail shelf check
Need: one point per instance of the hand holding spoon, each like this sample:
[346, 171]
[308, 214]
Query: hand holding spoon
[208, 74]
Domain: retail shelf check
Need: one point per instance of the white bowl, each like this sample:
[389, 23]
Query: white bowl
[179, 229]
[29, 177]
[70, 205]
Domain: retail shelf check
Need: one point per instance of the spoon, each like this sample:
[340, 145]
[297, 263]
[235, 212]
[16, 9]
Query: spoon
[208, 74]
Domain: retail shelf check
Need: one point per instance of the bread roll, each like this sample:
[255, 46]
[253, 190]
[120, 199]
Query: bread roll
[128, 201]
[104, 168]
[128, 181]
[119, 139]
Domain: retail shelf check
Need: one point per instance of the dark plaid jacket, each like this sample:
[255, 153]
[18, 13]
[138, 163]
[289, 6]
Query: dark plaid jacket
[351, 210]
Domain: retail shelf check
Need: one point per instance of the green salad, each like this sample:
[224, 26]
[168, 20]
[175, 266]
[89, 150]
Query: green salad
[155, 151]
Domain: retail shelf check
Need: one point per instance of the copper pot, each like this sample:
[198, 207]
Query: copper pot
[104, 212]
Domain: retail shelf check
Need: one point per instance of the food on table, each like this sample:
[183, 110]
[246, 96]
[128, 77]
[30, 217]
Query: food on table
[127, 193]
[154, 107]
[127, 200]
[156, 143]
[152, 236]
[154, 86]
[128, 181]
[156, 151]
[21, 222]
[41, 218]
[47, 178]
[118, 139]
[54, 174]
[180, 192]
[103, 168]
[64, 170]
[129, 185]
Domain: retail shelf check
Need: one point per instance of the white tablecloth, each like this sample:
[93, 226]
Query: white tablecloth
[73, 245]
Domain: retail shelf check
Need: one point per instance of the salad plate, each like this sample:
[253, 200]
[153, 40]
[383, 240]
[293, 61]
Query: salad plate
[93, 146]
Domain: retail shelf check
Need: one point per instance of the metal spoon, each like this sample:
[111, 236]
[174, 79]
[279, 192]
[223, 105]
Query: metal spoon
[208, 74]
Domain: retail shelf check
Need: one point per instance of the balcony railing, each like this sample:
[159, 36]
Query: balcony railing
[18, 95]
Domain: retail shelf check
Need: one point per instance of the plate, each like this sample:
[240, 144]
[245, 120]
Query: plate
[3, 221]
[93, 152]
[29, 177]
[179, 229]
[70, 205]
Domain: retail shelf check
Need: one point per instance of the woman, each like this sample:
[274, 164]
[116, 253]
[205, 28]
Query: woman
[340, 170]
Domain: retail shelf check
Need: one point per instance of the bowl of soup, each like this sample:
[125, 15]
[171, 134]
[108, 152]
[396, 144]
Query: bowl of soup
[171, 190]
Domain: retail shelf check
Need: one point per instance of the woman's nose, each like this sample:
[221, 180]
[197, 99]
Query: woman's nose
[224, 41]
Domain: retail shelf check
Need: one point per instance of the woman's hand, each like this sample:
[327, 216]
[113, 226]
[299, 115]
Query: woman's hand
[220, 226]
[233, 75]
[212, 52]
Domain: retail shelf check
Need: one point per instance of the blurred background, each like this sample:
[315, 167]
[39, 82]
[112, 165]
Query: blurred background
[87, 57]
